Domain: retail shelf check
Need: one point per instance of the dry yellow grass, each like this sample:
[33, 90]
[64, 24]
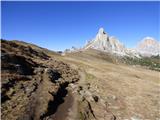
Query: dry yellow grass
[131, 92]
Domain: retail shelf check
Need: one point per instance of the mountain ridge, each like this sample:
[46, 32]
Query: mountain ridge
[104, 42]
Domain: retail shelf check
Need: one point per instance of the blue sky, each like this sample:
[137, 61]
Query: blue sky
[61, 25]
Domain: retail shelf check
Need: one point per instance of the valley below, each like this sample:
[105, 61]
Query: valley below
[38, 84]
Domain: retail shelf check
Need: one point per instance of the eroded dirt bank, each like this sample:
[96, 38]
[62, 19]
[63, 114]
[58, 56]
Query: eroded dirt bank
[33, 84]
[63, 110]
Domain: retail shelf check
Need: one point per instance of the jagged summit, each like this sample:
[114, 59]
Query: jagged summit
[101, 31]
[103, 42]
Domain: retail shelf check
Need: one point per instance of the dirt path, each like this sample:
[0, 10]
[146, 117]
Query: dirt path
[73, 111]
[67, 110]
[63, 109]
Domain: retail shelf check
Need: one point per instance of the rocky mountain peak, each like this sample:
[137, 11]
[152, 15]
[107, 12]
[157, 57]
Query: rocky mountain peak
[148, 41]
[103, 42]
[148, 47]
[101, 31]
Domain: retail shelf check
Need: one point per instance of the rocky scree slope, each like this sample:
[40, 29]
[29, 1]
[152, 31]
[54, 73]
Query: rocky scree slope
[31, 81]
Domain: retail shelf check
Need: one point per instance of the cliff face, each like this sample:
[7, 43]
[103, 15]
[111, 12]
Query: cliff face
[105, 43]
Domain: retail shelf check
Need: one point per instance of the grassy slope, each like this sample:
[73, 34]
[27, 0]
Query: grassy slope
[130, 92]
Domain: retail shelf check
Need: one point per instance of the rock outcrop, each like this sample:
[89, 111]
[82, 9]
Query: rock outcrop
[103, 42]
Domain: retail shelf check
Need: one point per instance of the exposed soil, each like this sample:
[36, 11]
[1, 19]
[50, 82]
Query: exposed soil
[33, 84]
[64, 105]
[38, 84]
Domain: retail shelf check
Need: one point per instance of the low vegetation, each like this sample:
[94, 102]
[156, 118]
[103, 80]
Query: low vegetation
[152, 63]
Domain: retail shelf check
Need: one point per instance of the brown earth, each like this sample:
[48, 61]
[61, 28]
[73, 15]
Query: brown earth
[33, 83]
[86, 85]
[124, 92]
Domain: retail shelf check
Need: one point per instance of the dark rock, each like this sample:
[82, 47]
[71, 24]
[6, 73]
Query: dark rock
[95, 98]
